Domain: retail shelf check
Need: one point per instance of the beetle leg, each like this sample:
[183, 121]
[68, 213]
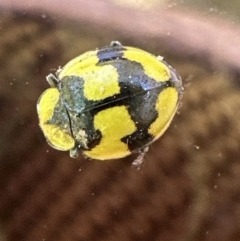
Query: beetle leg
[74, 152]
[52, 80]
[115, 43]
[140, 158]
[159, 57]
[59, 70]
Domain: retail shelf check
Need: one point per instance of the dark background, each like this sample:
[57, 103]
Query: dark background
[188, 187]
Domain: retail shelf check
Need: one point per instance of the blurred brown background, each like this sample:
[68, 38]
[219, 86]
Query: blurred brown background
[188, 188]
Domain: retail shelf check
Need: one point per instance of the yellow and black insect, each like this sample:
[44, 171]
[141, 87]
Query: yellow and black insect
[109, 102]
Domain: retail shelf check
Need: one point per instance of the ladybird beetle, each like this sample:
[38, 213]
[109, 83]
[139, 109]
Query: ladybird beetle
[109, 102]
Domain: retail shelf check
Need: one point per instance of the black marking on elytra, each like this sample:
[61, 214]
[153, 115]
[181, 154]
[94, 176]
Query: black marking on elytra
[144, 92]
[71, 94]
[84, 123]
[138, 92]
[138, 139]
[72, 98]
[60, 118]
[110, 53]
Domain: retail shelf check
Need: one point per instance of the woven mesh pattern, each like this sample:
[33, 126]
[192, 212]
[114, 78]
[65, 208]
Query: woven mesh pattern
[188, 188]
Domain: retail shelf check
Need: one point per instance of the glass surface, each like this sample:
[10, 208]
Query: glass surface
[188, 186]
